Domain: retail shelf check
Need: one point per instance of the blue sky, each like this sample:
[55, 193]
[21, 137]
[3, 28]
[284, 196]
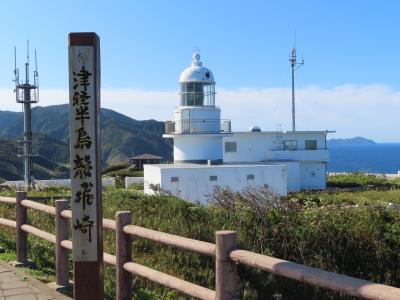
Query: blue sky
[350, 50]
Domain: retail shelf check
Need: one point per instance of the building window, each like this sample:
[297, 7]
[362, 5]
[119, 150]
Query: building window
[174, 179]
[230, 147]
[197, 94]
[311, 145]
[290, 145]
[250, 177]
[213, 178]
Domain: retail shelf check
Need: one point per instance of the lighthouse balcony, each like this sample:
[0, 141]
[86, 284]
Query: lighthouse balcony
[197, 126]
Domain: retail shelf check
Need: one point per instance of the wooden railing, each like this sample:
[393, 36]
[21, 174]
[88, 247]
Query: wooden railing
[224, 251]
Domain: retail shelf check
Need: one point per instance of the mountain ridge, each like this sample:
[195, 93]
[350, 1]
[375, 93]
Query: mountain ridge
[356, 141]
[121, 137]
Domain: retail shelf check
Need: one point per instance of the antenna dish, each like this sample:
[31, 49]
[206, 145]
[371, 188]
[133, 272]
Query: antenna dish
[255, 128]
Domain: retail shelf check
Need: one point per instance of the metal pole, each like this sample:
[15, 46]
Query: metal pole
[27, 139]
[294, 65]
[293, 95]
[27, 97]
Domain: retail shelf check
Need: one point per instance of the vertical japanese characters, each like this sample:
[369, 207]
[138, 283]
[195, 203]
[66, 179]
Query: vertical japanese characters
[83, 153]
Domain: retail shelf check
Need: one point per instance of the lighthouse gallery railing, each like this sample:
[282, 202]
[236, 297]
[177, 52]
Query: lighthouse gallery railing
[198, 126]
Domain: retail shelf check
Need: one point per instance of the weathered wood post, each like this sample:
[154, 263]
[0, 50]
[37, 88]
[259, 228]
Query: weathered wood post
[123, 255]
[85, 157]
[62, 277]
[22, 236]
[225, 269]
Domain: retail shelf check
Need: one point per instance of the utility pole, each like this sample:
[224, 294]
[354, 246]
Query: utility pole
[26, 94]
[294, 65]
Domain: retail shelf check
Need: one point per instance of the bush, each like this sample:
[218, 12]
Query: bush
[360, 180]
[113, 168]
[359, 242]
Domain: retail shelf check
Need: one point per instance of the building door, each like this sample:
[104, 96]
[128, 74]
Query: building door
[185, 120]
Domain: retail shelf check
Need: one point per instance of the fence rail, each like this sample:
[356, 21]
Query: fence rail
[224, 251]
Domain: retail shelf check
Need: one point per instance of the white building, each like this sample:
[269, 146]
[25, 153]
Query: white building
[208, 154]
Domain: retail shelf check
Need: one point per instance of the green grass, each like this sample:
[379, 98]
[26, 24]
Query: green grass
[307, 228]
[123, 170]
[360, 180]
[368, 197]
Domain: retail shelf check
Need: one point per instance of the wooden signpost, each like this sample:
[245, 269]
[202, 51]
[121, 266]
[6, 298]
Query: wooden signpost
[86, 204]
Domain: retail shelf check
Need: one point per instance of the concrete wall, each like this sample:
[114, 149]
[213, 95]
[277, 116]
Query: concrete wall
[261, 146]
[133, 180]
[194, 183]
[251, 147]
[197, 147]
[108, 181]
[152, 177]
[293, 176]
[300, 155]
[301, 138]
[312, 175]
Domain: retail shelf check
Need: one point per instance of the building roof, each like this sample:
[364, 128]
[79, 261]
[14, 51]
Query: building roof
[283, 132]
[270, 164]
[146, 156]
[196, 72]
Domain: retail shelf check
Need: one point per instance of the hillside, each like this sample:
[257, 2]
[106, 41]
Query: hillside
[47, 165]
[356, 141]
[122, 137]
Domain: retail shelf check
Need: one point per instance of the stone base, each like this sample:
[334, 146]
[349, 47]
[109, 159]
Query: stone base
[62, 289]
[54, 286]
[17, 264]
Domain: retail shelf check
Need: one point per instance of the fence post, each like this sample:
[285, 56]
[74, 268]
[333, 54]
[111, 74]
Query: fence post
[123, 255]
[21, 236]
[62, 275]
[225, 269]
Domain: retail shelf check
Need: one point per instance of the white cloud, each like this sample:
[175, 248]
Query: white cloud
[371, 111]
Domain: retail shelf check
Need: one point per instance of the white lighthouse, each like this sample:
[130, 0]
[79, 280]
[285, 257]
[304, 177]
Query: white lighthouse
[207, 154]
[197, 128]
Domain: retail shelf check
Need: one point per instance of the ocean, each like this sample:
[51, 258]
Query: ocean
[378, 158]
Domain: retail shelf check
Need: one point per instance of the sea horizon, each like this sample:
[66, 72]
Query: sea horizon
[372, 158]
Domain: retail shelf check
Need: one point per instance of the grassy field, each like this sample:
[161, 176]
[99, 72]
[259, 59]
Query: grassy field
[314, 228]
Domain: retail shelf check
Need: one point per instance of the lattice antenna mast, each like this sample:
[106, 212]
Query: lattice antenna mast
[294, 65]
[26, 94]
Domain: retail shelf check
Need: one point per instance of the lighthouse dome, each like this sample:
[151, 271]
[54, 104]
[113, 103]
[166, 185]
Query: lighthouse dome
[196, 72]
[197, 85]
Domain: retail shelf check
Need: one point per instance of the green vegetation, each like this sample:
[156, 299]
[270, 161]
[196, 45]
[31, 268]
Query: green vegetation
[121, 136]
[130, 171]
[360, 180]
[114, 168]
[315, 229]
[45, 166]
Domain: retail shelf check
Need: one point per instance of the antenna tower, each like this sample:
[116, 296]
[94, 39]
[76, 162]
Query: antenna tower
[294, 65]
[26, 94]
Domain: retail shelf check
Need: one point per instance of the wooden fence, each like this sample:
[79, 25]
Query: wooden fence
[224, 251]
